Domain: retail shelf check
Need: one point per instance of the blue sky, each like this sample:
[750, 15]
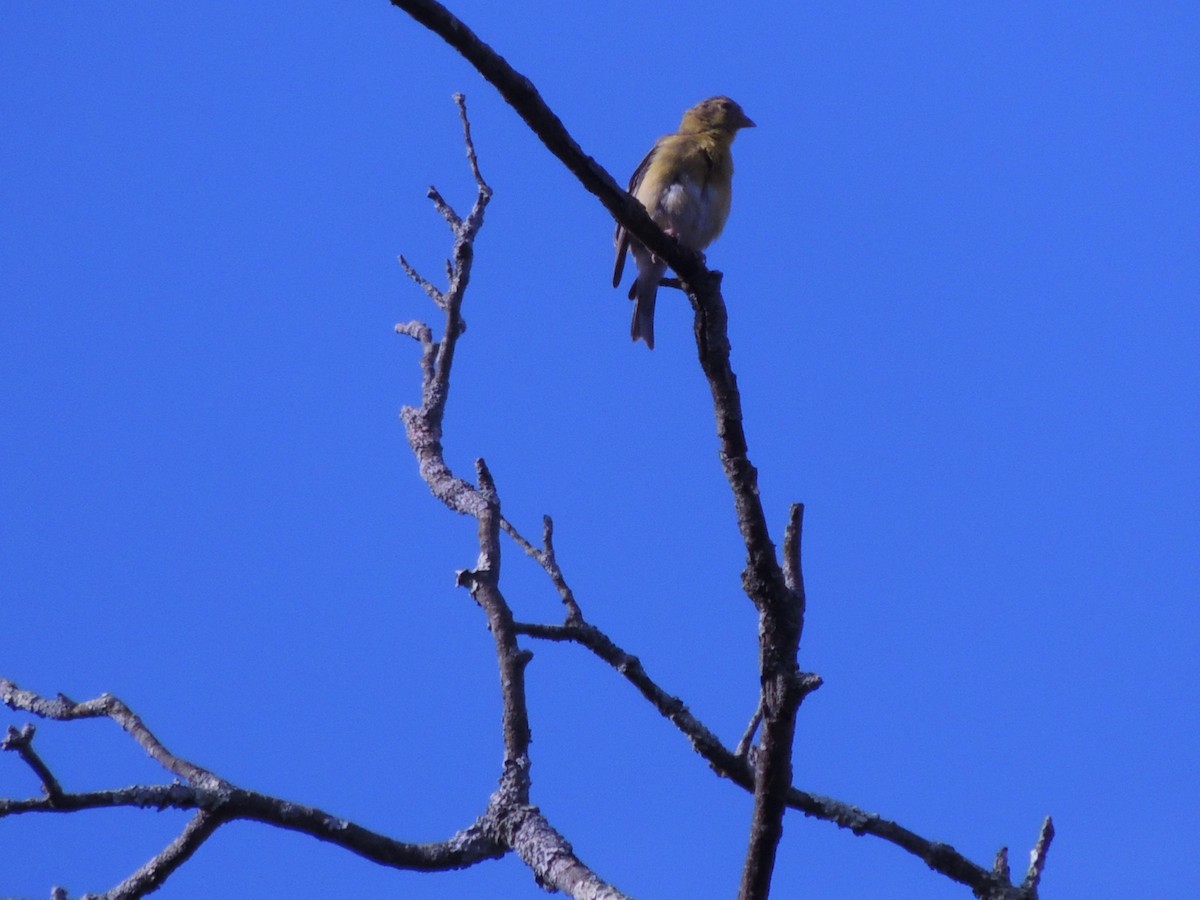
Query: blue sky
[962, 278]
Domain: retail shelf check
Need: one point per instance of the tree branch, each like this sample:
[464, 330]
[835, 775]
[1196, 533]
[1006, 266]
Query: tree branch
[522, 96]
[230, 803]
[423, 424]
[21, 742]
[106, 705]
[739, 767]
[222, 802]
[151, 876]
[510, 821]
[547, 559]
[1037, 858]
[763, 580]
[484, 584]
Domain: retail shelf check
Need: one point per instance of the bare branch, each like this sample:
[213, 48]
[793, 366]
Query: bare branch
[1037, 858]
[553, 860]
[229, 803]
[735, 766]
[743, 746]
[549, 856]
[1000, 866]
[444, 208]
[510, 820]
[793, 569]
[418, 331]
[427, 286]
[22, 743]
[763, 580]
[550, 563]
[519, 539]
[484, 585]
[707, 744]
[461, 102]
[151, 876]
[523, 97]
[546, 558]
[106, 705]
[423, 424]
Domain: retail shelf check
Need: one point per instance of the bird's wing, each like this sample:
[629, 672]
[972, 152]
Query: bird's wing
[621, 236]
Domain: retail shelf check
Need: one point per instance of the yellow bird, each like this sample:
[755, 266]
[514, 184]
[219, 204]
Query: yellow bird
[686, 184]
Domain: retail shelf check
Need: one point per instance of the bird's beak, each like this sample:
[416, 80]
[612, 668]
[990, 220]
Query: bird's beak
[746, 122]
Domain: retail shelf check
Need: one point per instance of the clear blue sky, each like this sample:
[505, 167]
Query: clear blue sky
[962, 279]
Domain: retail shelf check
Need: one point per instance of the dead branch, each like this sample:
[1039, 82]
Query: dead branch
[517, 825]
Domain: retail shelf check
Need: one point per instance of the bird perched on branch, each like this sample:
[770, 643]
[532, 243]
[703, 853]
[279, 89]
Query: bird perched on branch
[686, 184]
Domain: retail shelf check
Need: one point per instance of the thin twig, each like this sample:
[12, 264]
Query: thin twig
[427, 286]
[461, 102]
[440, 204]
[21, 742]
[743, 746]
[546, 558]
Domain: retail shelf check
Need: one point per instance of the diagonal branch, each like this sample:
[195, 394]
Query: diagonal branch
[20, 741]
[522, 96]
[1037, 858]
[151, 876]
[548, 560]
[106, 705]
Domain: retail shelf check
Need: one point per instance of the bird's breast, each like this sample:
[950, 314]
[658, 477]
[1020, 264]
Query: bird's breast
[694, 211]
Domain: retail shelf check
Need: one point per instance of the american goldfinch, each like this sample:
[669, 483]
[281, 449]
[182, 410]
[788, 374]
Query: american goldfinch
[686, 184]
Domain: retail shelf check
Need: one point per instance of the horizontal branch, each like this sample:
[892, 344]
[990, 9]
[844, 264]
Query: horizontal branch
[228, 804]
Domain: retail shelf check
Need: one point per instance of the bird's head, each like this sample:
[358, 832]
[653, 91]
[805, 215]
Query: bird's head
[714, 114]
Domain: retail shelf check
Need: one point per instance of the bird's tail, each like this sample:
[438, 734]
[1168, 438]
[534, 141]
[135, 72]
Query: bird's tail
[645, 293]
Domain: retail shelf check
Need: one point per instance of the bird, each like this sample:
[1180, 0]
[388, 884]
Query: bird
[685, 182]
